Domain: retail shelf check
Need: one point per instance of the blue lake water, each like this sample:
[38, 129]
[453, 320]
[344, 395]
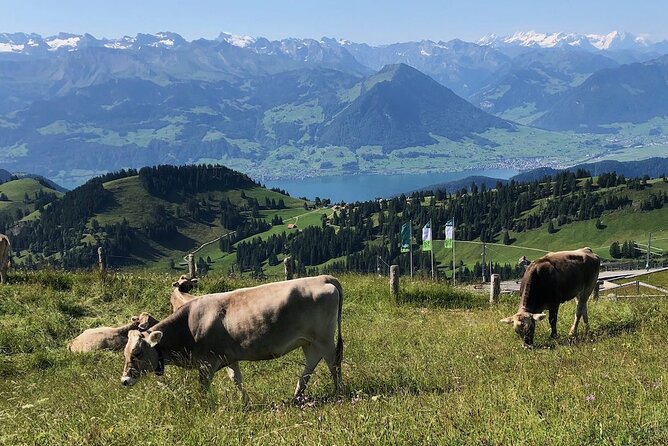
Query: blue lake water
[369, 186]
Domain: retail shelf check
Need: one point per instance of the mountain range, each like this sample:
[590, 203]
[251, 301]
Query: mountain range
[73, 106]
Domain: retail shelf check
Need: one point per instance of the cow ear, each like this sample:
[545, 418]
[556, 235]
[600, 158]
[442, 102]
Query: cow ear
[175, 284]
[539, 316]
[134, 319]
[153, 338]
[507, 320]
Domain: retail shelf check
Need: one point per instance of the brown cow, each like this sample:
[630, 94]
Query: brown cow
[5, 248]
[181, 292]
[110, 338]
[248, 324]
[555, 278]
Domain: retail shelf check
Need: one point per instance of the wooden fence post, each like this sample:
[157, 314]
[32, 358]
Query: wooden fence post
[494, 288]
[191, 266]
[101, 260]
[289, 267]
[394, 282]
[638, 287]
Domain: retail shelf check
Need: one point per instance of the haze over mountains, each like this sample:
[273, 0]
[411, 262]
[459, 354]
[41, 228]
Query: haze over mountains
[72, 106]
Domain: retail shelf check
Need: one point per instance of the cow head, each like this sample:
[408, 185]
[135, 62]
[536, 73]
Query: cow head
[141, 356]
[146, 321]
[524, 324]
[184, 284]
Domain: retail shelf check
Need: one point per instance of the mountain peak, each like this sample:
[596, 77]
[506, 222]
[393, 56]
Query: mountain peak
[614, 40]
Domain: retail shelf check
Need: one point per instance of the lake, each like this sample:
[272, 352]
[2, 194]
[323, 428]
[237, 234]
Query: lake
[370, 186]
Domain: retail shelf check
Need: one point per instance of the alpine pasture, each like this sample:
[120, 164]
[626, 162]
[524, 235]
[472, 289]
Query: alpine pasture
[435, 368]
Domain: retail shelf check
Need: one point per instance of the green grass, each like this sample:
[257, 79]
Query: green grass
[659, 279]
[436, 369]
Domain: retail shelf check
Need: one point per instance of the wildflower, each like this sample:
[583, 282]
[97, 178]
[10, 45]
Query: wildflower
[590, 398]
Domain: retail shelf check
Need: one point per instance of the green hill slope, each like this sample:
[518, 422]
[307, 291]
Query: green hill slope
[23, 198]
[148, 217]
[154, 217]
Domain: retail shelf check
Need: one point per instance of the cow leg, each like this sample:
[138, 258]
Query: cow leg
[580, 310]
[206, 371]
[585, 316]
[312, 356]
[234, 372]
[554, 311]
[334, 368]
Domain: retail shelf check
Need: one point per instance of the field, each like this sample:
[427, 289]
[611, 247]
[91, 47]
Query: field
[437, 368]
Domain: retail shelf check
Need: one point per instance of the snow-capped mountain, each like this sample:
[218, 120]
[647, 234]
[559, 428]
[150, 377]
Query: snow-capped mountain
[603, 42]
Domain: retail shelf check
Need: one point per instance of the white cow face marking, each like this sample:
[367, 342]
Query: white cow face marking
[524, 325]
[141, 356]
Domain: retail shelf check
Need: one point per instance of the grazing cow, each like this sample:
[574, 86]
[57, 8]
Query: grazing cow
[110, 338]
[555, 278]
[248, 324]
[5, 248]
[181, 292]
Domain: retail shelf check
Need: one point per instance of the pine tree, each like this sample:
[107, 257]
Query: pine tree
[506, 238]
[550, 228]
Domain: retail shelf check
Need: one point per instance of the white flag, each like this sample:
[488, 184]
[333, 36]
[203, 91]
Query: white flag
[449, 234]
[426, 237]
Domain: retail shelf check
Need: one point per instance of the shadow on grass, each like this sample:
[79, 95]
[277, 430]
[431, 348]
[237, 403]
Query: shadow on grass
[607, 330]
[612, 329]
[357, 392]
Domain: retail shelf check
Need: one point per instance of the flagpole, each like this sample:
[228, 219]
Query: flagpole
[410, 244]
[431, 229]
[454, 265]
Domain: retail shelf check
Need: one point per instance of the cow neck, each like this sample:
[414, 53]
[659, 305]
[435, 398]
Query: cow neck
[183, 296]
[171, 345]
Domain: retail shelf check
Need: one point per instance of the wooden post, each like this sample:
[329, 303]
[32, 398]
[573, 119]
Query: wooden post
[192, 272]
[289, 267]
[101, 260]
[494, 288]
[394, 282]
[637, 287]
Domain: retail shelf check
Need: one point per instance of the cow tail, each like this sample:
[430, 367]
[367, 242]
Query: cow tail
[339, 342]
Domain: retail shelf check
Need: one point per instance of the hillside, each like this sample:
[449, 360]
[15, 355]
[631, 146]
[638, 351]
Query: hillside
[653, 167]
[153, 217]
[632, 93]
[24, 198]
[148, 216]
[533, 81]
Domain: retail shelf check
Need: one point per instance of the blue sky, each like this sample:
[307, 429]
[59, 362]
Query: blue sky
[359, 20]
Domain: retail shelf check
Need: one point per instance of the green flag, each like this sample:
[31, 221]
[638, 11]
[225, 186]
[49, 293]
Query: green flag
[405, 237]
[426, 237]
[449, 234]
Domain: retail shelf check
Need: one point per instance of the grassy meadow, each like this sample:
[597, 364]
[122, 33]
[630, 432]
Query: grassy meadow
[437, 368]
